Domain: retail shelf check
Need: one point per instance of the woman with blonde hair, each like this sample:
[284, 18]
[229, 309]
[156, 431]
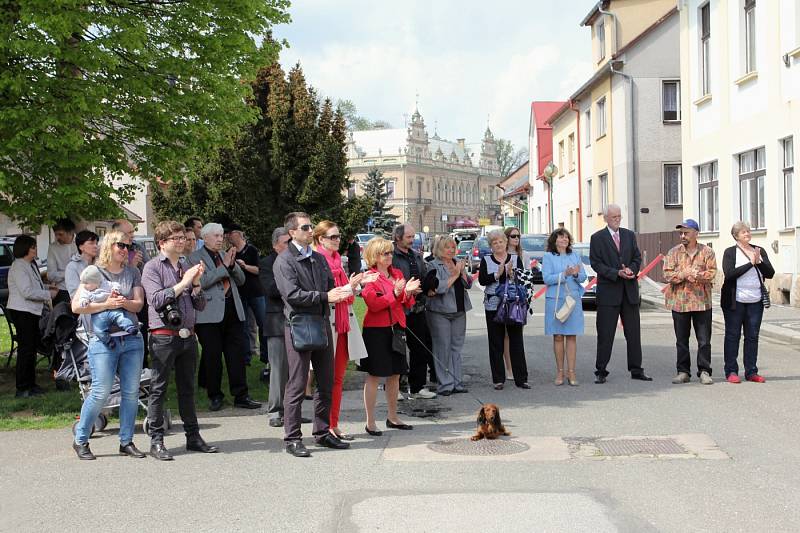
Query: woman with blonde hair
[447, 284]
[745, 267]
[121, 357]
[514, 239]
[387, 298]
[327, 239]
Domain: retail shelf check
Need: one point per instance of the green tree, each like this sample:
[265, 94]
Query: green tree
[375, 189]
[509, 159]
[356, 122]
[94, 89]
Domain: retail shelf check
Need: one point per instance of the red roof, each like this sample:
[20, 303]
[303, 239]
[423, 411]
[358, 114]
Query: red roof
[541, 111]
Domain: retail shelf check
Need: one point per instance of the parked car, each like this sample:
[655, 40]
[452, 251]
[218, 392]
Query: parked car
[533, 247]
[148, 243]
[463, 251]
[480, 247]
[590, 295]
[363, 239]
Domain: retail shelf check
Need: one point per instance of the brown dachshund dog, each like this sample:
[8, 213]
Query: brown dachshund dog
[489, 424]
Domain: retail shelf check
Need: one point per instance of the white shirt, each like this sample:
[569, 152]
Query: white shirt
[304, 250]
[748, 285]
[612, 232]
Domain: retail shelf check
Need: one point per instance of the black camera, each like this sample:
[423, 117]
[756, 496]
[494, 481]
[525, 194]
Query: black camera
[171, 315]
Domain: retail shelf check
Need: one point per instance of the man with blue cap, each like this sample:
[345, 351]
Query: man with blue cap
[689, 270]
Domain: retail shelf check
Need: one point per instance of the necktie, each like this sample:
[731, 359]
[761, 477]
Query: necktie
[226, 283]
[616, 240]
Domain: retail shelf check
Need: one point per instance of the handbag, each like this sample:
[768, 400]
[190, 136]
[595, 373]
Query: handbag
[512, 309]
[563, 312]
[398, 336]
[309, 332]
[356, 349]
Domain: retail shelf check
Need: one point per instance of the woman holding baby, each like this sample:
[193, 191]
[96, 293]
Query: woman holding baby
[123, 357]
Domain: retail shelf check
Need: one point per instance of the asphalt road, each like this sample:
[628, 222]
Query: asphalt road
[738, 472]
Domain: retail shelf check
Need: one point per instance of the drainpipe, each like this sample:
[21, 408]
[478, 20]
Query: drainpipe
[633, 182]
[580, 185]
[616, 26]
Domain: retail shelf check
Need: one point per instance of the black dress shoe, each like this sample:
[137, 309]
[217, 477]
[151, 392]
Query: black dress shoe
[460, 390]
[197, 444]
[329, 441]
[374, 433]
[215, 404]
[36, 390]
[83, 451]
[276, 422]
[390, 424]
[524, 386]
[641, 376]
[445, 393]
[600, 379]
[130, 450]
[304, 420]
[160, 452]
[246, 403]
[297, 449]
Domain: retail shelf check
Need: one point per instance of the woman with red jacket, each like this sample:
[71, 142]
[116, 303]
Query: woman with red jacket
[387, 298]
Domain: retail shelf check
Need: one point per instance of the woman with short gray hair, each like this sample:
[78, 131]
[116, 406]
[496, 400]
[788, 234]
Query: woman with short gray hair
[447, 285]
[745, 267]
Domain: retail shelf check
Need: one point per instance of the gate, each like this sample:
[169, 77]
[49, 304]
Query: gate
[652, 244]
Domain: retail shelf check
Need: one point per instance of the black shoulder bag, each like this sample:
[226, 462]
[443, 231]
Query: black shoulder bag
[398, 335]
[309, 332]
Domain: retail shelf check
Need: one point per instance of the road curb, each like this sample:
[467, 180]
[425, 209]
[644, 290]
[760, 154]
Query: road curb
[767, 330]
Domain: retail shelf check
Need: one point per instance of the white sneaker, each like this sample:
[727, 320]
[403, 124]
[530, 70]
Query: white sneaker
[705, 378]
[682, 377]
[424, 394]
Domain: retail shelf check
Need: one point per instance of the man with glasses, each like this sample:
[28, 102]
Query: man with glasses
[306, 285]
[411, 264]
[220, 326]
[174, 294]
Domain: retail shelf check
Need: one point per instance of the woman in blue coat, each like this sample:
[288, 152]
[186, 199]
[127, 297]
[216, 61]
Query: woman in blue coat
[562, 266]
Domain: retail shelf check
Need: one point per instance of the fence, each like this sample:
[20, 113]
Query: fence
[652, 244]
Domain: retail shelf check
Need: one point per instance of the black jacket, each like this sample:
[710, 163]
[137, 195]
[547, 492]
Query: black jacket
[276, 322]
[732, 273]
[303, 282]
[607, 262]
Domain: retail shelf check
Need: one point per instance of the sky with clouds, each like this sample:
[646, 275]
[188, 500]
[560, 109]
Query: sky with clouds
[468, 60]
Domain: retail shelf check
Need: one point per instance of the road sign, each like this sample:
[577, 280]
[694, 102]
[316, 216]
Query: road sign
[444, 218]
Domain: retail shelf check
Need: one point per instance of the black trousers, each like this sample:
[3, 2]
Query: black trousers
[28, 334]
[224, 338]
[296, 388]
[418, 339]
[516, 348]
[168, 352]
[607, 316]
[702, 332]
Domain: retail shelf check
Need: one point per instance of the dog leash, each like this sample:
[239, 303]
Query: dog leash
[408, 330]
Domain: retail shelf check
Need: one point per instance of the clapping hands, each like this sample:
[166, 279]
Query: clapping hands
[413, 286]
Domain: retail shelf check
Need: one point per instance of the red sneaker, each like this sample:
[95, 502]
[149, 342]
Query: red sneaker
[755, 378]
[734, 378]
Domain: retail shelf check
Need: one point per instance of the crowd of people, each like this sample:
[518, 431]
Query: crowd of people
[208, 285]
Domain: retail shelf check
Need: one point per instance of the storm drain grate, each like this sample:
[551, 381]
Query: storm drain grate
[481, 447]
[622, 447]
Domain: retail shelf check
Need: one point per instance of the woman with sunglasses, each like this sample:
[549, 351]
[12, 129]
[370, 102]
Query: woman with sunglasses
[514, 251]
[327, 239]
[124, 357]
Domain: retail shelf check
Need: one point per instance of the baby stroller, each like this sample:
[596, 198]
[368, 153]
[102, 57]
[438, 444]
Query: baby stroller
[72, 342]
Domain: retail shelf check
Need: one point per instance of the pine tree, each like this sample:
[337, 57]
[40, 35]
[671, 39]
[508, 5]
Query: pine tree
[375, 190]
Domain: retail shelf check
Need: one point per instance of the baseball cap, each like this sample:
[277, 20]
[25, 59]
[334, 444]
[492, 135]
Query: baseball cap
[689, 224]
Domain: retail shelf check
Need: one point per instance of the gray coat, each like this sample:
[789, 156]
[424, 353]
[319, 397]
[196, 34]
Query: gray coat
[211, 283]
[304, 287]
[26, 291]
[445, 299]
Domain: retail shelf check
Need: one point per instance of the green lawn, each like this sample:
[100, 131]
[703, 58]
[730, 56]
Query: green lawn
[59, 408]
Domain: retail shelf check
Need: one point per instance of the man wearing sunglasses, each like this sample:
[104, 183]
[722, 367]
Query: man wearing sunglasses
[306, 285]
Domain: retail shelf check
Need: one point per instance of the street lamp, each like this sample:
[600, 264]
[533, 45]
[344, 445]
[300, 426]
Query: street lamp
[549, 172]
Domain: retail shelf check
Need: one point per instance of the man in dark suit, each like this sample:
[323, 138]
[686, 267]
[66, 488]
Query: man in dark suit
[616, 259]
[306, 285]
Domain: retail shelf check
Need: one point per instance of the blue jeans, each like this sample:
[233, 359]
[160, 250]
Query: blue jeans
[102, 322]
[259, 306]
[125, 359]
[747, 317]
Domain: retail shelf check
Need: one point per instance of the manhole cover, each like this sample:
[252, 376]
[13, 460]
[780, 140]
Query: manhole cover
[621, 447]
[480, 447]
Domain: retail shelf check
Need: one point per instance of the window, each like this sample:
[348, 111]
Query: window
[708, 188]
[588, 127]
[749, 36]
[603, 191]
[419, 190]
[705, 49]
[600, 30]
[672, 185]
[671, 101]
[571, 152]
[389, 190]
[788, 182]
[589, 197]
[601, 117]
[560, 158]
[751, 187]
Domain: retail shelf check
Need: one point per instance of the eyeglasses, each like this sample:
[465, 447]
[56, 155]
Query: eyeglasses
[387, 254]
[333, 237]
[513, 236]
[124, 246]
[305, 227]
[177, 239]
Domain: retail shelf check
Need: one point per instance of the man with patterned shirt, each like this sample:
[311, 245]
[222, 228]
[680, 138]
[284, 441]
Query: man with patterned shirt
[689, 269]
